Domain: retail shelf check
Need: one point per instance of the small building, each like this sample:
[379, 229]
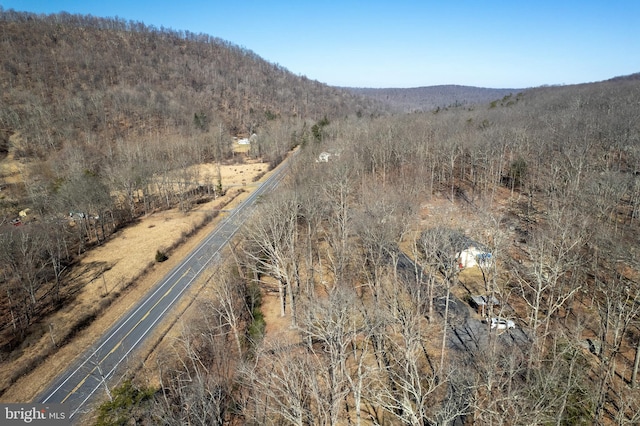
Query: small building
[469, 253]
[248, 141]
[77, 215]
[482, 303]
[323, 157]
[474, 256]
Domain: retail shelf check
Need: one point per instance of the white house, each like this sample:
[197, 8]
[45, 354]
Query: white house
[474, 256]
[323, 157]
[470, 253]
[248, 141]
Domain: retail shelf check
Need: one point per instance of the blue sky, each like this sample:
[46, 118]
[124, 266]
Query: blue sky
[401, 43]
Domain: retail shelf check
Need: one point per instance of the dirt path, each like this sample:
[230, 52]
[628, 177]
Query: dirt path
[112, 277]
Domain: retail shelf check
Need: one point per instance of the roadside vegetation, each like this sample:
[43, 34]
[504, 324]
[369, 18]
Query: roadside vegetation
[343, 301]
[547, 184]
[95, 135]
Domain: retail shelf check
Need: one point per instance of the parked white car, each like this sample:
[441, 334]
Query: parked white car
[502, 324]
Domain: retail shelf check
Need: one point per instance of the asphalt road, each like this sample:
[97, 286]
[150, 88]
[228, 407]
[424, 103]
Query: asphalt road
[89, 375]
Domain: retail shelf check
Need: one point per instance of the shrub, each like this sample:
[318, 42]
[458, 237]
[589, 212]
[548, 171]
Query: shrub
[161, 256]
[257, 326]
[125, 406]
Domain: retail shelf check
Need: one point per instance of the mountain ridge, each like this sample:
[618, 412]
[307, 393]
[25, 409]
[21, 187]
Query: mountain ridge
[426, 98]
[64, 76]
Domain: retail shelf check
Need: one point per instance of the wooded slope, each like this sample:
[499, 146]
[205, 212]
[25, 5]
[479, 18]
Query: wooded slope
[65, 77]
[101, 120]
[546, 181]
[434, 97]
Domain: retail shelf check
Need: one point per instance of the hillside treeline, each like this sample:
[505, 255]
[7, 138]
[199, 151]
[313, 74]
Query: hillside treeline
[105, 117]
[549, 183]
[72, 77]
[434, 97]
[101, 121]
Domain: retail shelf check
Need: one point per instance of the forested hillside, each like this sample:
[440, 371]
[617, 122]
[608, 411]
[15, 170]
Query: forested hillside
[68, 77]
[435, 97]
[101, 120]
[547, 184]
[359, 256]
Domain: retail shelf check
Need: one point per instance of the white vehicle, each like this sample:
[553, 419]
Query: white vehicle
[502, 324]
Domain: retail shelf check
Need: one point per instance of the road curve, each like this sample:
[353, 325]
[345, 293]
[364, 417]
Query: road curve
[75, 386]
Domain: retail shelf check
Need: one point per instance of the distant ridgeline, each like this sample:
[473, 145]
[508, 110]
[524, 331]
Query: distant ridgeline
[435, 97]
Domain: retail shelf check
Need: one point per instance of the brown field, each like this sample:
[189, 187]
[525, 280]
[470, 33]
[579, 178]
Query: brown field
[111, 278]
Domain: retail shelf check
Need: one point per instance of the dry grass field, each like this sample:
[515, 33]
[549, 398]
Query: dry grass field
[111, 278]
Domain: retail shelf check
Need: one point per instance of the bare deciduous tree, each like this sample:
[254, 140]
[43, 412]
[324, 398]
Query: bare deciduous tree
[273, 242]
[330, 327]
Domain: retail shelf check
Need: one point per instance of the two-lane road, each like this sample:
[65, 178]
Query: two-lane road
[85, 377]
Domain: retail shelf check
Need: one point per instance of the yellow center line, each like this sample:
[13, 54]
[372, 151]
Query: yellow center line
[117, 345]
[79, 385]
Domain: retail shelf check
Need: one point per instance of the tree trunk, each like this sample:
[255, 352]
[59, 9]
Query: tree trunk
[636, 364]
[281, 294]
[292, 305]
[444, 330]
